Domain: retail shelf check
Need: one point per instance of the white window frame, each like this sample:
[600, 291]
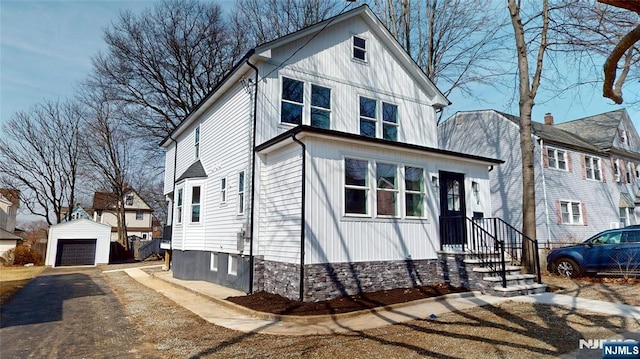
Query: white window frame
[422, 192]
[569, 210]
[355, 47]
[553, 154]
[128, 200]
[629, 174]
[196, 144]
[307, 102]
[223, 190]
[366, 188]
[232, 270]
[593, 166]
[371, 190]
[617, 174]
[395, 191]
[241, 193]
[198, 205]
[213, 262]
[179, 204]
[379, 120]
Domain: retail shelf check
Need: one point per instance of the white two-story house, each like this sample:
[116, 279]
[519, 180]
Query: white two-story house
[313, 170]
[587, 171]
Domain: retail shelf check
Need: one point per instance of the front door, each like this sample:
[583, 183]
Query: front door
[452, 210]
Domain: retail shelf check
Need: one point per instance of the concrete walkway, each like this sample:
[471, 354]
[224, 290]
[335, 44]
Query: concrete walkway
[207, 300]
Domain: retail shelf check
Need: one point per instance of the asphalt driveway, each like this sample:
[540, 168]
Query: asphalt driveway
[68, 313]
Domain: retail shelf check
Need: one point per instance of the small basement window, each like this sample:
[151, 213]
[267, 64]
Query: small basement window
[359, 48]
[233, 265]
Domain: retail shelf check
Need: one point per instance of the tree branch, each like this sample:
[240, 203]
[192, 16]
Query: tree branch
[609, 90]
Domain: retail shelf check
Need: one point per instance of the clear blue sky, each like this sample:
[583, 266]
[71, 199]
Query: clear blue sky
[46, 48]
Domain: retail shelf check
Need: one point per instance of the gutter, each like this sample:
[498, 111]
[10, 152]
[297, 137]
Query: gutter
[302, 214]
[253, 176]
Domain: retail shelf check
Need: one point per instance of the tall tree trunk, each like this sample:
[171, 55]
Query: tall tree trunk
[527, 92]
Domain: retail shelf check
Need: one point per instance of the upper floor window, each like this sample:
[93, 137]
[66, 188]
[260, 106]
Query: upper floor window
[241, 192]
[371, 115]
[129, 200]
[179, 206]
[139, 215]
[571, 212]
[292, 101]
[197, 141]
[557, 158]
[359, 48]
[616, 171]
[629, 172]
[320, 107]
[592, 168]
[195, 204]
[624, 136]
[293, 107]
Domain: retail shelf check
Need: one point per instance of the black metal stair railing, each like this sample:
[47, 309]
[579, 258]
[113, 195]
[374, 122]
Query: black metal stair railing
[519, 249]
[493, 241]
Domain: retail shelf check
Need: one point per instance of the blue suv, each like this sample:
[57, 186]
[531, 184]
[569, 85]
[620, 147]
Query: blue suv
[614, 250]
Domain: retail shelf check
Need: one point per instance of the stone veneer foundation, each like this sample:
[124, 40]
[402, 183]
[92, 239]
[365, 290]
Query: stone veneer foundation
[332, 280]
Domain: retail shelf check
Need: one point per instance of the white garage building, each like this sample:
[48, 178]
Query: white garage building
[78, 242]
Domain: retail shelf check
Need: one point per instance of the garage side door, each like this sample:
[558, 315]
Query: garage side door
[75, 252]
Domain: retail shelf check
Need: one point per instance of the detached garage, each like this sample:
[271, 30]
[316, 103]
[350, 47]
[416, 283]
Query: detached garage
[78, 242]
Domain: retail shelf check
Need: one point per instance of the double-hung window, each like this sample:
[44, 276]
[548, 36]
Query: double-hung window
[557, 158]
[373, 112]
[414, 191]
[571, 213]
[320, 107]
[592, 168]
[129, 200]
[179, 206]
[223, 190]
[294, 110]
[386, 189]
[359, 48]
[139, 215]
[195, 204]
[356, 191]
[196, 136]
[292, 101]
[241, 189]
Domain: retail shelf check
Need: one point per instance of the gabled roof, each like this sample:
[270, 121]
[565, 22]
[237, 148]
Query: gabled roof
[4, 235]
[194, 171]
[263, 51]
[106, 200]
[600, 130]
[554, 135]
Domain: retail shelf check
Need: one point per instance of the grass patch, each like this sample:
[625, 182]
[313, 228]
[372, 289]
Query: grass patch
[14, 278]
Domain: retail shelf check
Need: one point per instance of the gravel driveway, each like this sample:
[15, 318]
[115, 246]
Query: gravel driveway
[507, 330]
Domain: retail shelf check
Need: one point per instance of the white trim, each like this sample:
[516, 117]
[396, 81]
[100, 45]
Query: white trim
[230, 269]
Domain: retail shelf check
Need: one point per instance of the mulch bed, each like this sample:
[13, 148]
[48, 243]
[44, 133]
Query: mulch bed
[273, 303]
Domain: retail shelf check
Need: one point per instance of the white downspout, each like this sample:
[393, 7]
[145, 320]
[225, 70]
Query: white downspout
[544, 190]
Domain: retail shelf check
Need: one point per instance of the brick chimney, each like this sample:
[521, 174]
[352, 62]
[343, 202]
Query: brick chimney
[548, 119]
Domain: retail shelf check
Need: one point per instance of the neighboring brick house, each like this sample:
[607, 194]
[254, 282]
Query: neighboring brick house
[586, 171]
[138, 214]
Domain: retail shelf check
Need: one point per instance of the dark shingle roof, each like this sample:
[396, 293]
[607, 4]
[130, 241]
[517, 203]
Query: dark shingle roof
[194, 171]
[555, 134]
[600, 130]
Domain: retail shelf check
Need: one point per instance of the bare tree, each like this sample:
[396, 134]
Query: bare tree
[259, 21]
[161, 63]
[110, 152]
[625, 49]
[529, 83]
[455, 44]
[39, 155]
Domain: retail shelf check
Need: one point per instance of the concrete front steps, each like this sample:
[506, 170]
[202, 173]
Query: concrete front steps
[489, 281]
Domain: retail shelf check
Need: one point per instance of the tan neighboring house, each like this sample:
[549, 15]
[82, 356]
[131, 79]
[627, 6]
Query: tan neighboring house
[138, 214]
[9, 203]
